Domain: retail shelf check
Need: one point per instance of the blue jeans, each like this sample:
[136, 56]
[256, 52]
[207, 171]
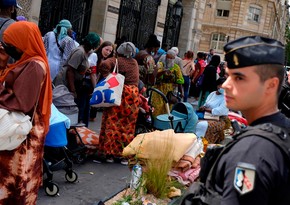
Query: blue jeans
[186, 88]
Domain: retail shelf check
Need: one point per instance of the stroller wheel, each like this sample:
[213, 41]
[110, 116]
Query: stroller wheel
[51, 189]
[71, 177]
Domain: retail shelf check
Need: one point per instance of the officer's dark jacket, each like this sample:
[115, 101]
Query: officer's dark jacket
[272, 182]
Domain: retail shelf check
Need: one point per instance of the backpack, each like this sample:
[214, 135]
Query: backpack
[203, 193]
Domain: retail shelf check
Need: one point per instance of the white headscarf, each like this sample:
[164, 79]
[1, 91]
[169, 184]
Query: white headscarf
[127, 49]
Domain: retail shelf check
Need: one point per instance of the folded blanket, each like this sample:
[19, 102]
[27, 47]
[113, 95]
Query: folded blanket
[187, 177]
[155, 145]
[186, 163]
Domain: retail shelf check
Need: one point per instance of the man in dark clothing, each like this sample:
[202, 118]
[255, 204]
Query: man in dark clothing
[284, 98]
[209, 55]
[7, 11]
[254, 170]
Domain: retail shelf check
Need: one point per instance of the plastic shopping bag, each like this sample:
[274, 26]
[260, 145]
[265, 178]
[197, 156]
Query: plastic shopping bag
[108, 92]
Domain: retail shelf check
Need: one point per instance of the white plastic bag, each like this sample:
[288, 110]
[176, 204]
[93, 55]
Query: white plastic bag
[108, 92]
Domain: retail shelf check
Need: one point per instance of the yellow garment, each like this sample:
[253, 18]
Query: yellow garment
[154, 145]
[158, 102]
[165, 83]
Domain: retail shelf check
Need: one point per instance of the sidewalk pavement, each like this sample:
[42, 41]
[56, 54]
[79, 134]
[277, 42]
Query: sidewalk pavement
[95, 181]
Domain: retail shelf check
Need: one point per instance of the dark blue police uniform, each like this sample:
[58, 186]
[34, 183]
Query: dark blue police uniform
[268, 169]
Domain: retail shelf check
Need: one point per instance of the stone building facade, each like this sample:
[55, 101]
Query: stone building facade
[105, 16]
[220, 21]
[105, 21]
[204, 24]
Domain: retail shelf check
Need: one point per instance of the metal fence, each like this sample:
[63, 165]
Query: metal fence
[78, 12]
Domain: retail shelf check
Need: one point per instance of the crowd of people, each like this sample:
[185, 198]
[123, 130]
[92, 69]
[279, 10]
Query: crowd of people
[58, 59]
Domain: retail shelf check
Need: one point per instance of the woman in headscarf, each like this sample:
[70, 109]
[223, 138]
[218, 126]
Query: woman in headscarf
[21, 168]
[168, 79]
[58, 45]
[118, 122]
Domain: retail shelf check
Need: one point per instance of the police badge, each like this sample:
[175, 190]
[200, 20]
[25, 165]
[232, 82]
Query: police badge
[244, 179]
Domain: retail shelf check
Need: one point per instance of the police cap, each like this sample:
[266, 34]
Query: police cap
[254, 50]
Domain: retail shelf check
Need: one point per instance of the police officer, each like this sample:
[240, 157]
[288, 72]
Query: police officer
[254, 170]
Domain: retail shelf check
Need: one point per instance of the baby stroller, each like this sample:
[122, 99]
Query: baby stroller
[56, 154]
[64, 102]
[181, 118]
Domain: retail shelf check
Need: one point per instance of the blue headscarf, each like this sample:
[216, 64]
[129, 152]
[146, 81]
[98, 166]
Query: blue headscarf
[64, 26]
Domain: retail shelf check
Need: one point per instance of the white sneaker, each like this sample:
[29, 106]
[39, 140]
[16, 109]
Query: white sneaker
[110, 160]
[124, 161]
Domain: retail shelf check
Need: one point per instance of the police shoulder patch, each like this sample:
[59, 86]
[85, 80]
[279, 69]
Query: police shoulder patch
[244, 180]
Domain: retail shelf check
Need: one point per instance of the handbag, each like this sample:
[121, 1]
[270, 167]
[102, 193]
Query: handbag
[108, 92]
[14, 128]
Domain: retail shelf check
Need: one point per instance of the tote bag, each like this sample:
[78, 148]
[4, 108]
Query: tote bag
[14, 128]
[108, 92]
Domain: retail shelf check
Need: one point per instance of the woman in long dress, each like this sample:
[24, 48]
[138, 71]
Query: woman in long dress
[118, 122]
[168, 79]
[21, 168]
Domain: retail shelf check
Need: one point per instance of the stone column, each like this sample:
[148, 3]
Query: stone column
[104, 18]
[186, 36]
[160, 20]
[33, 14]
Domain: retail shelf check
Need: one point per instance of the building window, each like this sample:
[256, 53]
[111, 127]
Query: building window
[218, 41]
[223, 13]
[254, 14]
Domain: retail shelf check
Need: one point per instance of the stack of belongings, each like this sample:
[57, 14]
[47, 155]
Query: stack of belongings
[185, 152]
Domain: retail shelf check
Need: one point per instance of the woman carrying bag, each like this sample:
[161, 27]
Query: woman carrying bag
[118, 122]
[21, 168]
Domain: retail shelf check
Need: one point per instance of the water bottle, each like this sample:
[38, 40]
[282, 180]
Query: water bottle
[136, 176]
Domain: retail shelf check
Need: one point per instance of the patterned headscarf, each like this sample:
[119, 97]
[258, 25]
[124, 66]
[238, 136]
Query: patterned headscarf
[31, 44]
[64, 26]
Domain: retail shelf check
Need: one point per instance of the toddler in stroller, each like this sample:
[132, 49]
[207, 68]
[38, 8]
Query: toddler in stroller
[56, 154]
